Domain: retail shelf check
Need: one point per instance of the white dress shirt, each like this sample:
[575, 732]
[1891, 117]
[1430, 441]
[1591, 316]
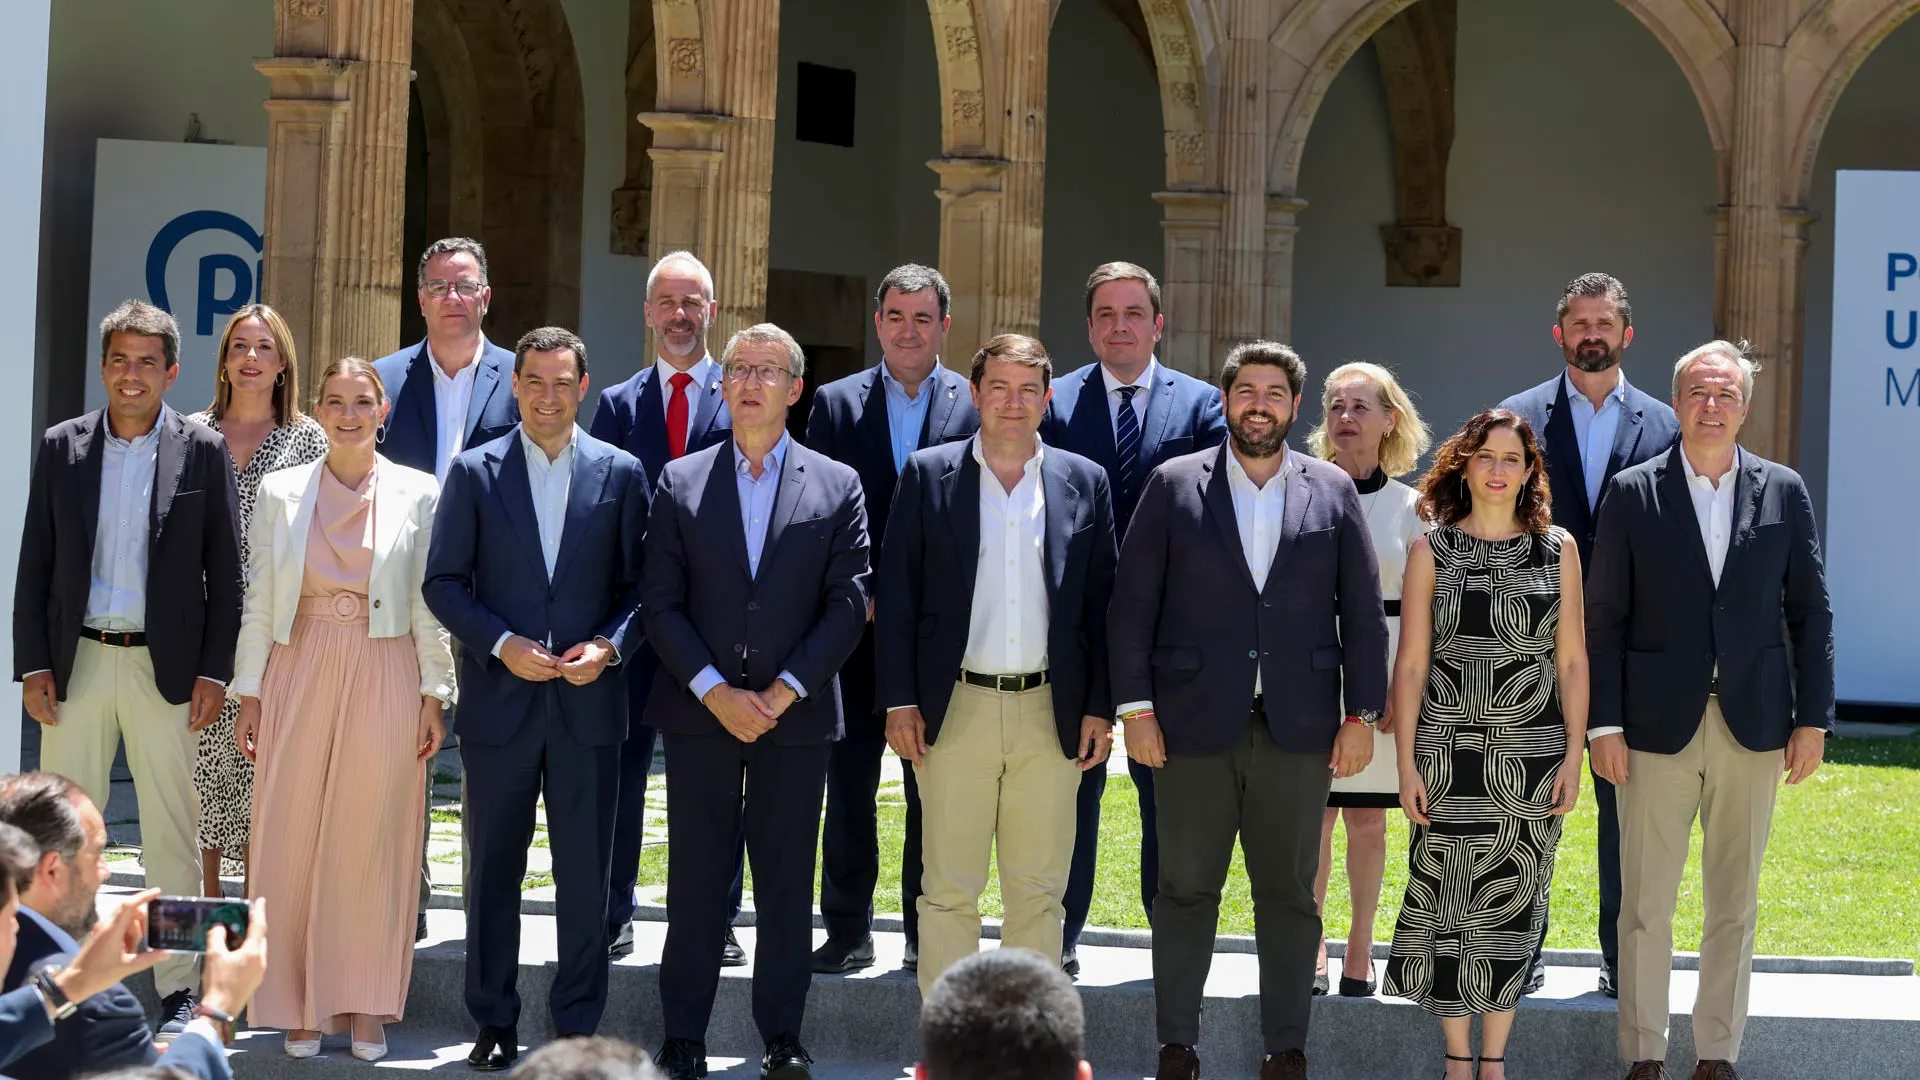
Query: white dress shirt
[452, 397]
[705, 372]
[1007, 629]
[1114, 400]
[117, 597]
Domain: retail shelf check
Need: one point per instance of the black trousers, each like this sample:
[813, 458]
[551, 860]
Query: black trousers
[717, 784]
[1606, 800]
[1086, 847]
[850, 842]
[1273, 800]
[629, 819]
[503, 783]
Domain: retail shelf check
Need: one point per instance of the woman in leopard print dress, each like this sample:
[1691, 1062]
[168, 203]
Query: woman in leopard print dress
[256, 406]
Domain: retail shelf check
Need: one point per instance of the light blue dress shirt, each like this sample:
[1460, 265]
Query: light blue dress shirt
[1594, 431]
[906, 416]
[551, 482]
[757, 496]
[117, 598]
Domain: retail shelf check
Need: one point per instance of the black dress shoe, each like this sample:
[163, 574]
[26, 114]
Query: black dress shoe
[1178, 1063]
[1359, 988]
[619, 940]
[420, 927]
[494, 1049]
[731, 954]
[1070, 961]
[786, 1060]
[910, 962]
[840, 957]
[1536, 978]
[682, 1059]
[1609, 978]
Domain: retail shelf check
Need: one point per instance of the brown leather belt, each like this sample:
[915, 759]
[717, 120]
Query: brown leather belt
[119, 639]
[1006, 684]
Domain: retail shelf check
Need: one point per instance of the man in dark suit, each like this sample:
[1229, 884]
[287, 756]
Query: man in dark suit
[1129, 414]
[872, 421]
[1711, 640]
[1246, 568]
[664, 411]
[997, 569]
[755, 593]
[127, 603]
[535, 570]
[1591, 424]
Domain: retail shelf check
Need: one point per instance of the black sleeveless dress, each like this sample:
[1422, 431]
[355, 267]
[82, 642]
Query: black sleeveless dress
[1489, 742]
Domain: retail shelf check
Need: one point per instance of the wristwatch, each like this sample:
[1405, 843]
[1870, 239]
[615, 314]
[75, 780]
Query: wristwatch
[222, 1022]
[1364, 717]
[43, 981]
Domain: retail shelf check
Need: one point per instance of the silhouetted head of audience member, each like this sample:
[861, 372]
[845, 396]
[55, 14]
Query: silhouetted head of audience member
[593, 1058]
[1005, 1014]
[18, 854]
[71, 839]
[145, 1072]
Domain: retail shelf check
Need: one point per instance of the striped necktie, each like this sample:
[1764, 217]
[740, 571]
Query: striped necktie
[1126, 443]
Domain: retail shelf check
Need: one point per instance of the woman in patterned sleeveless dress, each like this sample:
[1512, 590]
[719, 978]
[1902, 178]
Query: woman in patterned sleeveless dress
[256, 407]
[1490, 691]
[1373, 432]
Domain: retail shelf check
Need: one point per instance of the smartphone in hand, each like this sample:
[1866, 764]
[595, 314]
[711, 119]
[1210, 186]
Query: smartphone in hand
[180, 923]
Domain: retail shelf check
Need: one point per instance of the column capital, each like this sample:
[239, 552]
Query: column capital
[686, 130]
[961, 177]
[1182, 207]
[1281, 209]
[306, 78]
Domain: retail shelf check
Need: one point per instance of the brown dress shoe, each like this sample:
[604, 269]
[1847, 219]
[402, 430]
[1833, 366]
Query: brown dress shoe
[1715, 1070]
[1284, 1065]
[1178, 1063]
[1648, 1070]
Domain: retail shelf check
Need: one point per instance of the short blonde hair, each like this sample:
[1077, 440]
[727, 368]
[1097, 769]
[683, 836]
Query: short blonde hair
[1400, 450]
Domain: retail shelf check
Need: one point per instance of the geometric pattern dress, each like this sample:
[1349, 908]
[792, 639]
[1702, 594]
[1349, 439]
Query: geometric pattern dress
[1489, 741]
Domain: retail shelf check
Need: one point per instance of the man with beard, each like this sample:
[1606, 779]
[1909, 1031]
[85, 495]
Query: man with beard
[1246, 568]
[667, 410]
[1593, 424]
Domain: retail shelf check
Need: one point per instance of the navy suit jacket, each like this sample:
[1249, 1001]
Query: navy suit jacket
[486, 575]
[1183, 415]
[803, 613]
[108, 1031]
[1186, 627]
[849, 424]
[194, 577]
[1647, 429]
[924, 605]
[1656, 623]
[633, 416]
[412, 432]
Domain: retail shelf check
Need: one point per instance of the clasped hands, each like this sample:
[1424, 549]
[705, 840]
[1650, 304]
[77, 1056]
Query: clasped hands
[579, 665]
[749, 714]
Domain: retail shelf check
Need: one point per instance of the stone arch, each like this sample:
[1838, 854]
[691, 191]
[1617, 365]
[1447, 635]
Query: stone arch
[1317, 38]
[1183, 59]
[505, 125]
[632, 211]
[967, 127]
[1823, 52]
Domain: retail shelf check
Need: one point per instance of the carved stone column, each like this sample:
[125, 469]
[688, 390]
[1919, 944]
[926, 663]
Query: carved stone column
[1757, 291]
[1277, 277]
[1023, 143]
[1192, 232]
[1239, 294]
[971, 204]
[336, 173]
[686, 165]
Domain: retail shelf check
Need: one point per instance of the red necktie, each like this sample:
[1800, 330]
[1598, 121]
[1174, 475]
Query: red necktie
[677, 414]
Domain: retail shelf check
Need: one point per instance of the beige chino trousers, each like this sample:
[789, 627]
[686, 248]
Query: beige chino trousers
[996, 782]
[1732, 790]
[111, 696]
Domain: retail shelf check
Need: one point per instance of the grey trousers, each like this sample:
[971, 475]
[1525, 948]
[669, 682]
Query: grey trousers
[1273, 800]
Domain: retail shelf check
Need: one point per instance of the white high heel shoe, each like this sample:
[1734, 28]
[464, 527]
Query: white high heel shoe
[369, 1051]
[302, 1048]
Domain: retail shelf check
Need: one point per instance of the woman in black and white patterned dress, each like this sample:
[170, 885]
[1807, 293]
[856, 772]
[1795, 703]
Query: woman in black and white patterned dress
[256, 407]
[1490, 689]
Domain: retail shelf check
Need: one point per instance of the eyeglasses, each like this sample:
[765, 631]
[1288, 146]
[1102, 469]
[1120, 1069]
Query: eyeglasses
[438, 288]
[760, 373]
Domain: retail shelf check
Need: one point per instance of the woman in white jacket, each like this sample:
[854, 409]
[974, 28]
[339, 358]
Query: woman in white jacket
[342, 674]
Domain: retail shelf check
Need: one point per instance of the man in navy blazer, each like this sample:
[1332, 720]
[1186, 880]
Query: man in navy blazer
[755, 593]
[535, 570]
[1129, 413]
[1246, 607]
[665, 411]
[452, 391]
[872, 421]
[1591, 424]
[1711, 640]
[991, 631]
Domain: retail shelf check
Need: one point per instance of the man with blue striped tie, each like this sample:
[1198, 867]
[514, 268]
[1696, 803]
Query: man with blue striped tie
[1128, 413]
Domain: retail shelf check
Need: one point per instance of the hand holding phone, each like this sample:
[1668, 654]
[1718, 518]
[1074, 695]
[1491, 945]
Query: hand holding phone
[180, 923]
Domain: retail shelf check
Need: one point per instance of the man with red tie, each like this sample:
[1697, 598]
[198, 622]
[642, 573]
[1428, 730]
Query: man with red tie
[663, 412]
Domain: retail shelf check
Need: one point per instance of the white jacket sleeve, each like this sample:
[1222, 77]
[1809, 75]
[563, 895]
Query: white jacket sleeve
[430, 640]
[256, 618]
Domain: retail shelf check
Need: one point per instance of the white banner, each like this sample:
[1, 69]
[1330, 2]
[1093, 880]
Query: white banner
[1873, 482]
[178, 224]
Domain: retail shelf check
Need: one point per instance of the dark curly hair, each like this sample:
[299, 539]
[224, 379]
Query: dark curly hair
[1444, 499]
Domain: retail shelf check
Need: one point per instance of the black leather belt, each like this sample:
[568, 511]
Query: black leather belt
[1393, 609]
[1713, 687]
[119, 639]
[1006, 684]
[1258, 714]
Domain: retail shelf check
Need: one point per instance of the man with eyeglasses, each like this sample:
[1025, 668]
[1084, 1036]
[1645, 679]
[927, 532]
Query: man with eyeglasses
[667, 410]
[754, 593]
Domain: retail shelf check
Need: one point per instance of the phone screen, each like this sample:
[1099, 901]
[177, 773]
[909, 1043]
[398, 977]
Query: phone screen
[180, 923]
